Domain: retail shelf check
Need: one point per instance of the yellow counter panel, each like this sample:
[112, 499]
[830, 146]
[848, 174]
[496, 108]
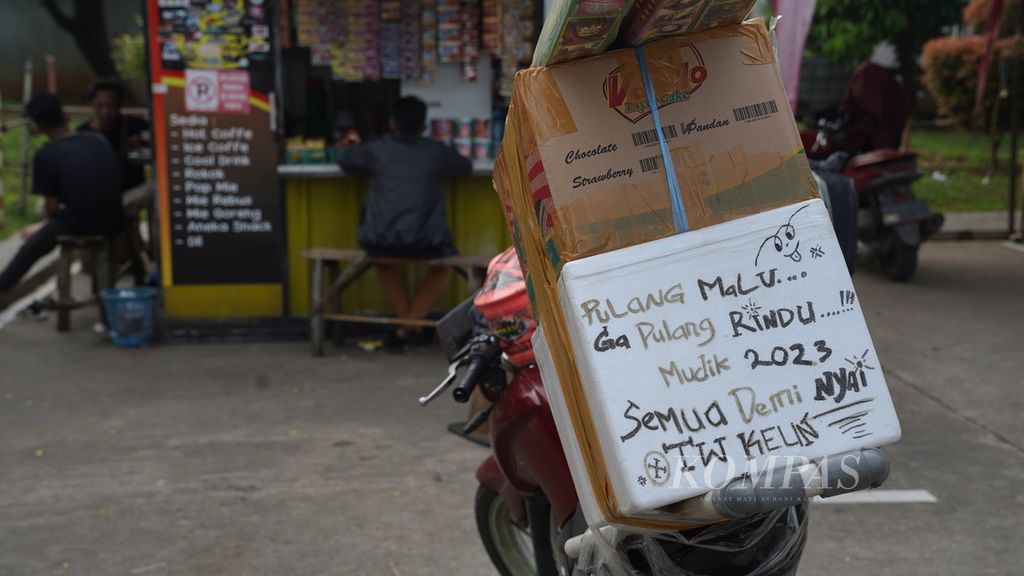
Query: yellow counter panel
[324, 212]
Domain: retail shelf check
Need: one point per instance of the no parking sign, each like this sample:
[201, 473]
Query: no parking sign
[201, 90]
[226, 92]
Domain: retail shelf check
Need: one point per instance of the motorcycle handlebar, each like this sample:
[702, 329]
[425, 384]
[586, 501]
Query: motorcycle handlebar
[481, 357]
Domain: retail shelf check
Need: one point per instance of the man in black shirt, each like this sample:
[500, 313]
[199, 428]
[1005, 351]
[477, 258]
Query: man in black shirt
[123, 132]
[78, 176]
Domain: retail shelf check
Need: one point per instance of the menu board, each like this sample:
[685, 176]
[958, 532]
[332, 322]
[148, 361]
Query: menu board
[213, 75]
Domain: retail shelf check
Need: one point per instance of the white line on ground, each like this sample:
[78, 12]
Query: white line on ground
[47, 287]
[880, 497]
[1014, 246]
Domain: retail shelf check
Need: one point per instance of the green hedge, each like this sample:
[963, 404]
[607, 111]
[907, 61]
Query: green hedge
[951, 74]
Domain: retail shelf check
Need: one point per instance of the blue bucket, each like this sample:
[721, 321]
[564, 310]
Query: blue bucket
[131, 314]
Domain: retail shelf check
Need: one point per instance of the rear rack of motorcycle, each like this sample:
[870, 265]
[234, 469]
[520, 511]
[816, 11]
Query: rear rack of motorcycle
[773, 489]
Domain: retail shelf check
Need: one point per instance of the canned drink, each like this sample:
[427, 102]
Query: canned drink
[464, 146]
[441, 130]
[464, 128]
[482, 128]
[482, 148]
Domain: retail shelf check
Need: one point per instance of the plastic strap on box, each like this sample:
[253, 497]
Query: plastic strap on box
[679, 221]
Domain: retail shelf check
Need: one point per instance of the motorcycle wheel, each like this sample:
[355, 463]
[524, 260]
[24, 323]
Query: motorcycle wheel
[509, 545]
[899, 260]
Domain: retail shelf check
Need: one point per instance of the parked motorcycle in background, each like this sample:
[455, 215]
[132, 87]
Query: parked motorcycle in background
[859, 143]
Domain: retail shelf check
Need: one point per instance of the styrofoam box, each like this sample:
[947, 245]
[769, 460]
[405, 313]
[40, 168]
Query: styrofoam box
[710, 354]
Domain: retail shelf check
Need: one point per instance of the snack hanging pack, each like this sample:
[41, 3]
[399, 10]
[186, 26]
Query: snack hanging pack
[579, 28]
[654, 19]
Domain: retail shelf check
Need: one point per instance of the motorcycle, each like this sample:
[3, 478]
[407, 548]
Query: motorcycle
[891, 221]
[527, 510]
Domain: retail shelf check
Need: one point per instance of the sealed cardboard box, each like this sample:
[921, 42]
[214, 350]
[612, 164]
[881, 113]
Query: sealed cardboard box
[589, 155]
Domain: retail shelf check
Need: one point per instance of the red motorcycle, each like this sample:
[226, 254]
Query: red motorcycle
[526, 505]
[891, 221]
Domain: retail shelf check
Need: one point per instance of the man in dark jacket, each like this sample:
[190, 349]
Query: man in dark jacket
[404, 213]
[78, 175]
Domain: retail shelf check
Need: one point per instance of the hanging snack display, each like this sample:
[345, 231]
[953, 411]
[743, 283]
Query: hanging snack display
[390, 39]
[470, 45]
[370, 20]
[320, 26]
[428, 40]
[390, 10]
[449, 31]
[491, 27]
[517, 33]
[390, 50]
[407, 39]
[412, 68]
[578, 28]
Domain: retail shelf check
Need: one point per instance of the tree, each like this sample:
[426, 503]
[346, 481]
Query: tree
[847, 31]
[87, 26]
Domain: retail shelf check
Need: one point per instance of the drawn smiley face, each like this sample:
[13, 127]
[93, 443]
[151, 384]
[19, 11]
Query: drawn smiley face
[784, 241]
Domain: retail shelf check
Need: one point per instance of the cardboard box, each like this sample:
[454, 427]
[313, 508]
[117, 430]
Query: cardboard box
[589, 156]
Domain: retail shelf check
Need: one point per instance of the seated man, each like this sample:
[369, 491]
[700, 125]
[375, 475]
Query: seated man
[79, 178]
[404, 214]
[125, 134]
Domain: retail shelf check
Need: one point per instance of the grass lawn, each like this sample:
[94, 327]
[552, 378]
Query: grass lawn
[962, 157]
[14, 217]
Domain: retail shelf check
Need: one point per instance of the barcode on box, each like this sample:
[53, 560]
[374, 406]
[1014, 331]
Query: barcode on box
[649, 164]
[648, 137]
[755, 111]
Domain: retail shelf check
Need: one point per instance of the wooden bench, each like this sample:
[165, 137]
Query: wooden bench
[344, 266]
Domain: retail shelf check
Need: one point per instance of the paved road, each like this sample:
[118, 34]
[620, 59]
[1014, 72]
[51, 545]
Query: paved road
[952, 346]
[225, 460]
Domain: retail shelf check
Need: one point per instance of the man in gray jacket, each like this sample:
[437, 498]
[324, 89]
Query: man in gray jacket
[404, 212]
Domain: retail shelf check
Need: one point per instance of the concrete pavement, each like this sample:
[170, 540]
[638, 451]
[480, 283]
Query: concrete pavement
[260, 460]
[950, 342]
[981, 225]
[227, 460]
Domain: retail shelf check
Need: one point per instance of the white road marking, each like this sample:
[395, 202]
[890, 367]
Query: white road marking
[880, 497]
